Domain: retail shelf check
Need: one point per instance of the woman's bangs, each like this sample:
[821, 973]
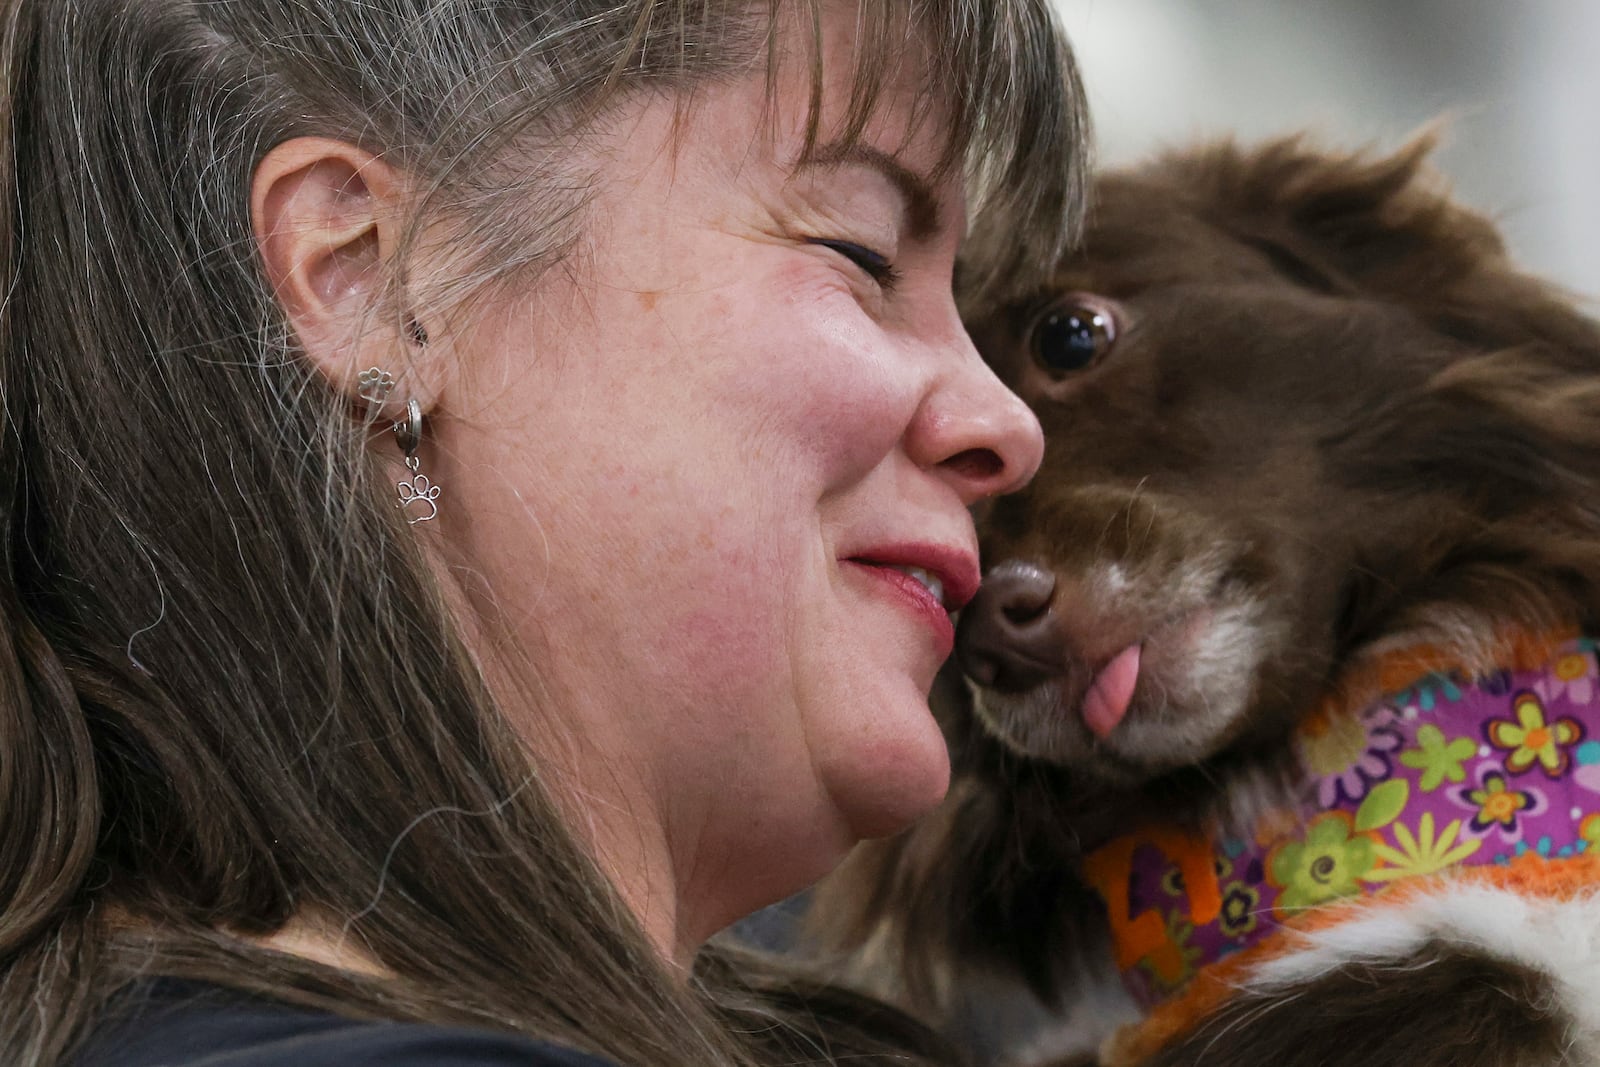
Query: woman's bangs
[1001, 77]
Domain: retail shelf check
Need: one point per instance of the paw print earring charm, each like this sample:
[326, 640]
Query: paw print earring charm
[374, 385]
[418, 496]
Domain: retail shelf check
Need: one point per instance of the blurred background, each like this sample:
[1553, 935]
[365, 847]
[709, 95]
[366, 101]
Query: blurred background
[1520, 80]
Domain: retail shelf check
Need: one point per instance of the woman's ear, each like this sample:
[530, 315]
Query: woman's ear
[327, 218]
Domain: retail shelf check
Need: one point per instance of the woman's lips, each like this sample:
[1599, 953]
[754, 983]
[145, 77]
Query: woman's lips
[918, 597]
[955, 569]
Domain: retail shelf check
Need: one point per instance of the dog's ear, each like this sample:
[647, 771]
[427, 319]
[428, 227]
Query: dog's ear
[1382, 227]
[1372, 223]
[1498, 456]
[1386, 223]
[1356, 221]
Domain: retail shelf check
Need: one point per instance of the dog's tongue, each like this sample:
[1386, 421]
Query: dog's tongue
[1108, 698]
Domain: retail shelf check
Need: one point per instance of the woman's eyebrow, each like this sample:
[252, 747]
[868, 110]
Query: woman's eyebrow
[921, 205]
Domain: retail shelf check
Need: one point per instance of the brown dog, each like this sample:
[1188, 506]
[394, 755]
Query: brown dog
[1311, 439]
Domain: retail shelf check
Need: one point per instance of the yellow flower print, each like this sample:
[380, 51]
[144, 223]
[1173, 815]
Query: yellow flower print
[1326, 864]
[1173, 964]
[1349, 754]
[1172, 881]
[1329, 744]
[1438, 760]
[1531, 739]
[1589, 829]
[1422, 854]
[1239, 904]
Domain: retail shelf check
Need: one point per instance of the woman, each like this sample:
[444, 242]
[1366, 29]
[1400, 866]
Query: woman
[485, 722]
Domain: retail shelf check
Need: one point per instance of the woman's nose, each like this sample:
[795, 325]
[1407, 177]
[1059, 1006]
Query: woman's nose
[976, 434]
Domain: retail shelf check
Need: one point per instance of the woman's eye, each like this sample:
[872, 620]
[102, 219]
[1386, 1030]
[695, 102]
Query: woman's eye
[1073, 333]
[874, 264]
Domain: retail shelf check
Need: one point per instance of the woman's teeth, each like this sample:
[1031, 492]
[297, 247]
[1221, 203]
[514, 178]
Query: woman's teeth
[933, 584]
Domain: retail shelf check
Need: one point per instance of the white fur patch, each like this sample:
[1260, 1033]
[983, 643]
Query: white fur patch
[1560, 939]
[1198, 684]
[1096, 1009]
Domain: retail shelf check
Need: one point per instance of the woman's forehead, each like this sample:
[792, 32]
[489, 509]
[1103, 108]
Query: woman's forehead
[736, 132]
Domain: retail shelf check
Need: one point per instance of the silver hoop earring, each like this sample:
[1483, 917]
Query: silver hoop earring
[416, 490]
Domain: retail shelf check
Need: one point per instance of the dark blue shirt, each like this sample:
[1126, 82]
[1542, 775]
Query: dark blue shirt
[188, 1024]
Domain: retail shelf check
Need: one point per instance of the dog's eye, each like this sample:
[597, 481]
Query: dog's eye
[1072, 333]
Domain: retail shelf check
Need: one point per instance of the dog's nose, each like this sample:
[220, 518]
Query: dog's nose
[1009, 638]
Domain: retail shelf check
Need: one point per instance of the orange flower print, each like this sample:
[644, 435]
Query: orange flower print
[1496, 805]
[1530, 739]
[1574, 677]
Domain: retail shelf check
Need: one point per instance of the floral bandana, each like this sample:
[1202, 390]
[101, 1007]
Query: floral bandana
[1447, 774]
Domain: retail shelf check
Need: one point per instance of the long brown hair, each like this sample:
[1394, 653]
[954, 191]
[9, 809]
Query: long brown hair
[232, 693]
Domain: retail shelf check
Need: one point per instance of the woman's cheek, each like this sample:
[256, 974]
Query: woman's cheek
[842, 389]
[723, 593]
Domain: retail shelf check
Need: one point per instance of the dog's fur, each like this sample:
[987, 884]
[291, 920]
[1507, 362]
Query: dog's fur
[1334, 420]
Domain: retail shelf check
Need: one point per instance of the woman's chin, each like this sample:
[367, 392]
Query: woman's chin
[892, 781]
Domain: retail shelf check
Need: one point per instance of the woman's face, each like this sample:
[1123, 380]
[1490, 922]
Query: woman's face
[694, 465]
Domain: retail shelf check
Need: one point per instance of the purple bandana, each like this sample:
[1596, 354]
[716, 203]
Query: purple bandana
[1449, 773]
